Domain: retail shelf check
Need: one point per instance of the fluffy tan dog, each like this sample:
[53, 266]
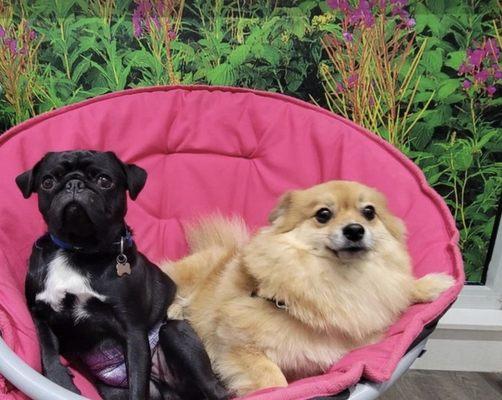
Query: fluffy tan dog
[331, 273]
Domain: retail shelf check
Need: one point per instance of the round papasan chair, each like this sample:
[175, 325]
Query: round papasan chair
[231, 150]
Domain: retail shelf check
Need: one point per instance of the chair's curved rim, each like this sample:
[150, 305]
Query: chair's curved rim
[38, 387]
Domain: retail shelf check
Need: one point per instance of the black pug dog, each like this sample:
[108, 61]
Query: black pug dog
[94, 298]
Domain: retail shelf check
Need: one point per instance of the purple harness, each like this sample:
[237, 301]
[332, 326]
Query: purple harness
[108, 364]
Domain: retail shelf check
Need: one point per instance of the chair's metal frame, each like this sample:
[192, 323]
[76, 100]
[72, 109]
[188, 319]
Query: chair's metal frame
[38, 387]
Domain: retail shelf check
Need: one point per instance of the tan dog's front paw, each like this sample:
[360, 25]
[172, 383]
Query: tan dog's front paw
[265, 380]
[429, 287]
[249, 370]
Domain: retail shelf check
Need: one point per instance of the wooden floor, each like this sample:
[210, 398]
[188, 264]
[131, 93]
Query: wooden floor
[446, 385]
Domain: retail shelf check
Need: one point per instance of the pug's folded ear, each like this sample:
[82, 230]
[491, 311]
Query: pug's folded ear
[135, 176]
[26, 181]
[136, 179]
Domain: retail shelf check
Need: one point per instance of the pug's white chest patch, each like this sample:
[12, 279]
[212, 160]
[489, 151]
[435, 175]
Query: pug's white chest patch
[63, 279]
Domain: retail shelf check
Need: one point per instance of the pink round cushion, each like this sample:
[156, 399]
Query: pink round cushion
[231, 150]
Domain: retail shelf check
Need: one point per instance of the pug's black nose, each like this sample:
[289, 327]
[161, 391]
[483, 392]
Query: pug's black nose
[353, 232]
[75, 186]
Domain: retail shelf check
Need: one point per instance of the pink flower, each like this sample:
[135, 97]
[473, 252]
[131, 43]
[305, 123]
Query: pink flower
[492, 49]
[481, 76]
[342, 5]
[491, 90]
[410, 22]
[2, 32]
[347, 36]
[476, 56]
[362, 14]
[32, 35]
[401, 12]
[156, 22]
[462, 69]
[136, 22]
[399, 3]
[466, 84]
[339, 87]
[12, 45]
[352, 81]
[171, 34]
[497, 74]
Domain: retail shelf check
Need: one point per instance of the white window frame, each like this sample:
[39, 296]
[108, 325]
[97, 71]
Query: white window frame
[480, 306]
[469, 336]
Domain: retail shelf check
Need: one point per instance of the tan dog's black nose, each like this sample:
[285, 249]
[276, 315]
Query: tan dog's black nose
[353, 232]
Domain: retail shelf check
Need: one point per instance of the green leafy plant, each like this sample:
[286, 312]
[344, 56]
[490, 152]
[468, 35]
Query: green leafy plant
[365, 80]
[424, 75]
[459, 142]
[18, 66]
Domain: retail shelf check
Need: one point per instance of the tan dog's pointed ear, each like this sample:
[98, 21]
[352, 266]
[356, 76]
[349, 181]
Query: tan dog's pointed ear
[281, 217]
[393, 224]
[281, 207]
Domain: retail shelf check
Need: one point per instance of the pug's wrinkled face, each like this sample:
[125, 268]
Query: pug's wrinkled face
[81, 193]
[340, 219]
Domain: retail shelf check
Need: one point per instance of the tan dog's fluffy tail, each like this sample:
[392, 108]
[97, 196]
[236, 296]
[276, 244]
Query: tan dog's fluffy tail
[216, 230]
[212, 241]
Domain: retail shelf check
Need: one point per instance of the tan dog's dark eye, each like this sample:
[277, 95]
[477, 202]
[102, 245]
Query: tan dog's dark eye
[104, 182]
[323, 215]
[368, 212]
[48, 183]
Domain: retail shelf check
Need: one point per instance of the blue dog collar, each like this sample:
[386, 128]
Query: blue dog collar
[128, 240]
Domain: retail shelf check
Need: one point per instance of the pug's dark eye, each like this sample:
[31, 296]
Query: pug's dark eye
[104, 182]
[48, 182]
[368, 212]
[323, 215]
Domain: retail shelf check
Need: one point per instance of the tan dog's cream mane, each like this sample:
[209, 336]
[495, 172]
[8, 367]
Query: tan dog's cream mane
[323, 306]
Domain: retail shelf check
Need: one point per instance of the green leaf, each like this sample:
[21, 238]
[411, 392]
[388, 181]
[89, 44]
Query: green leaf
[433, 60]
[487, 136]
[223, 74]
[426, 84]
[307, 5]
[435, 25]
[80, 69]
[438, 116]
[421, 17]
[294, 80]
[454, 98]
[95, 91]
[436, 6]
[422, 97]
[298, 28]
[421, 135]
[270, 54]
[447, 88]
[462, 159]
[239, 55]
[454, 59]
